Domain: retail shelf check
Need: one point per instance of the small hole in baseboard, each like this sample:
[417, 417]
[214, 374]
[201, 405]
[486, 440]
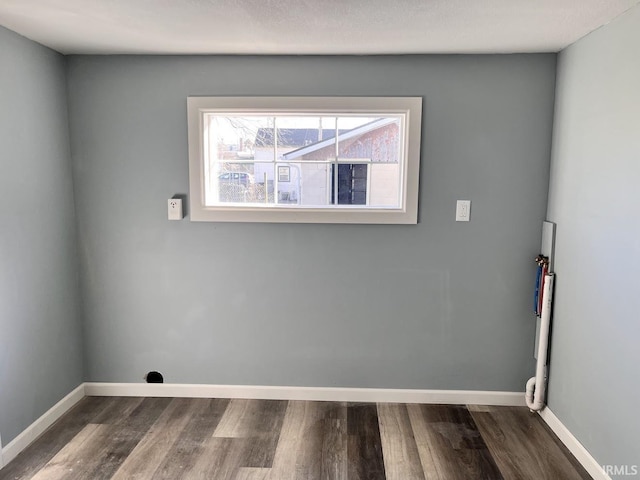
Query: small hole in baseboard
[154, 377]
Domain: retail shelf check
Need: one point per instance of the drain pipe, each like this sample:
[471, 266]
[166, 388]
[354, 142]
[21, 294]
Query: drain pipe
[537, 386]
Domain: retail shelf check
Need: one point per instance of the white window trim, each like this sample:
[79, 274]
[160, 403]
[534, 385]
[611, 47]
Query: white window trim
[409, 107]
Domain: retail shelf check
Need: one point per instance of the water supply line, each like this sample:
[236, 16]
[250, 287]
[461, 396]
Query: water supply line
[537, 386]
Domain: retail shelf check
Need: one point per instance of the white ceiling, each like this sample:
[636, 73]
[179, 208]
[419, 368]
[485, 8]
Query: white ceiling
[307, 26]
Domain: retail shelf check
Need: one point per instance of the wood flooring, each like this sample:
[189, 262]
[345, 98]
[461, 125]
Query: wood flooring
[184, 438]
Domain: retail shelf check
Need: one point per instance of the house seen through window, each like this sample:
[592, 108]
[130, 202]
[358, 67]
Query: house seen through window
[308, 161]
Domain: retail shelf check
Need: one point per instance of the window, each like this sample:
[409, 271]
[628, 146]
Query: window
[304, 159]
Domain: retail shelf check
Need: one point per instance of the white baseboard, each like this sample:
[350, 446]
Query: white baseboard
[382, 395]
[575, 447]
[34, 430]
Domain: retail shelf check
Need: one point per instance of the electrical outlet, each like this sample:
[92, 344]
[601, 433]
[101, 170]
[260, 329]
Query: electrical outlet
[175, 209]
[463, 210]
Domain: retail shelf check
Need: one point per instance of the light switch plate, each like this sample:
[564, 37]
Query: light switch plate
[463, 210]
[175, 209]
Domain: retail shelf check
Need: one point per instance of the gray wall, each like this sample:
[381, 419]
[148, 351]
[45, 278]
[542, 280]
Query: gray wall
[594, 198]
[40, 334]
[435, 305]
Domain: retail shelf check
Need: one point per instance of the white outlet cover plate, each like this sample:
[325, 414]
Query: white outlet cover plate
[463, 210]
[174, 206]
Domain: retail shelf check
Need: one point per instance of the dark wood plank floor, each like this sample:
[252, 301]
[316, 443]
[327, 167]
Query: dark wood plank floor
[181, 438]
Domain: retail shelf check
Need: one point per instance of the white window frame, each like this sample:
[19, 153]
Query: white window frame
[409, 108]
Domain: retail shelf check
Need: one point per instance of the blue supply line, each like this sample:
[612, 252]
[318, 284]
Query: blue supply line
[536, 294]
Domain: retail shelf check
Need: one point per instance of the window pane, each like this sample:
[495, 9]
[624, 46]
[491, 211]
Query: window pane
[309, 183]
[243, 183]
[301, 131]
[351, 187]
[375, 139]
[234, 137]
[262, 191]
[385, 187]
[308, 138]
